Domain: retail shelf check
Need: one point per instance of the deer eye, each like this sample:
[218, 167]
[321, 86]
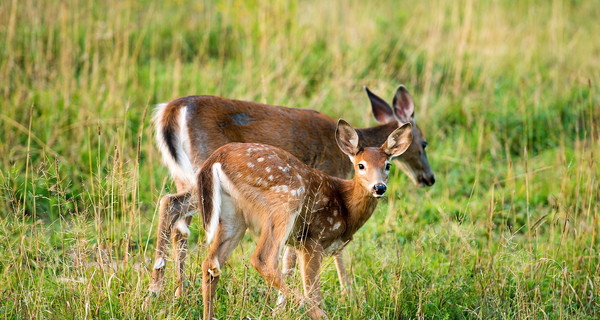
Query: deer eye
[388, 166]
[361, 166]
[424, 144]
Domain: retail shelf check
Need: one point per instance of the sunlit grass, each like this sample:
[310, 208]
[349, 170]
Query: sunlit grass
[506, 94]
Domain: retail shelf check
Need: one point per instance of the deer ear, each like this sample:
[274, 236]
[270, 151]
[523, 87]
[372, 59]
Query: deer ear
[404, 107]
[398, 141]
[382, 111]
[347, 138]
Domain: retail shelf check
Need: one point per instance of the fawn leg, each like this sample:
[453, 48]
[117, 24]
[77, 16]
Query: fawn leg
[289, 262]
[228, 236]
[310, 268]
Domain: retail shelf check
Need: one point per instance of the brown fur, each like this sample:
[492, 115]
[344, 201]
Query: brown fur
[307, 134]
[273, 192]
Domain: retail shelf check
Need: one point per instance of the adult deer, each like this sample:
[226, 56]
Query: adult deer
[189, 129]
[285, 202]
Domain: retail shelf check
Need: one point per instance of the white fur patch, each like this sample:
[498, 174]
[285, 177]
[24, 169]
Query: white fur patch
[213, 224]
[261, 159]
[336, 226]
[223, 206]
[282, 188]
[159, 263]
[183, 169]
[215, 269]
[182, 226]
[280, 299]
[335, 247]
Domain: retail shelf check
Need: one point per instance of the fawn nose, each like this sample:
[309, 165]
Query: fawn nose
[380, 188]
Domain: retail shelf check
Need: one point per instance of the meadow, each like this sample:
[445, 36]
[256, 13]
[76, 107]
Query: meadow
[506, 92]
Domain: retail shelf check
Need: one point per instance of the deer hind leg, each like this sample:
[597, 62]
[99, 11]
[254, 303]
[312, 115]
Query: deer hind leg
[171, 209]
[229, 234]
[310, 269]
[181, 232]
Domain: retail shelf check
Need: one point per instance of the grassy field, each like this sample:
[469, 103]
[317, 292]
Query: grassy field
[506, 93]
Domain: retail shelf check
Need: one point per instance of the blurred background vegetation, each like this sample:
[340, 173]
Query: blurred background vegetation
[506, 93]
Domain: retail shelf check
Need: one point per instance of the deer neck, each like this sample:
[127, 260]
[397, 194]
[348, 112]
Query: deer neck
[359, 204]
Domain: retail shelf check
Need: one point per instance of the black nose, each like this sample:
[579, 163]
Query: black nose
[427, 180]
[380, 188]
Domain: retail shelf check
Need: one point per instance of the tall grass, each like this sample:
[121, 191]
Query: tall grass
[506, 94]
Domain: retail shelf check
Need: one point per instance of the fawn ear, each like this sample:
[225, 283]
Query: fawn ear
[347, 138]
[398, 141]
[382, 111]
[404, 107]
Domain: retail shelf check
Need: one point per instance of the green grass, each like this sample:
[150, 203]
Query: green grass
[506, 93]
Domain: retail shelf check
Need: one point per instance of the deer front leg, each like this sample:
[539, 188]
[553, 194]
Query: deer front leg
[266, 258]
[310, 268]
[338, 259]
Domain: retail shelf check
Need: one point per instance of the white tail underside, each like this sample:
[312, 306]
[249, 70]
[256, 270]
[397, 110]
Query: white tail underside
[181, 168]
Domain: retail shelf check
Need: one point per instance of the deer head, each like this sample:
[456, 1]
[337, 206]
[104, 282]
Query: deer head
[414, 161]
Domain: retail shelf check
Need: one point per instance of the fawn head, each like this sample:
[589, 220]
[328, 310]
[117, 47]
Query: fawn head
[371, 164]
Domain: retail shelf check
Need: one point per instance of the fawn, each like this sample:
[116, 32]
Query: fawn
[285, 202]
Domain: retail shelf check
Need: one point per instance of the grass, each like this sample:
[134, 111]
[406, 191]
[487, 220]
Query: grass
[506, 94]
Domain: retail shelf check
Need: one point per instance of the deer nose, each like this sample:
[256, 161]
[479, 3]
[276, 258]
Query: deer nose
[380, 188]
[427, 180]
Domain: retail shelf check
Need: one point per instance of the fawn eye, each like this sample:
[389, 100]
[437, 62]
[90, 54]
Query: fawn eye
[361, 166]
[424, 144]
[388, 166]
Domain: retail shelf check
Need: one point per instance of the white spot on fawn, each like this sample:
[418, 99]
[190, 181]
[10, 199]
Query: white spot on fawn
[336, 226]
[270, 178]
[335, 213]
[268, 169]
[330, 220]
[261, 159]
[282, 188]
[250, 165]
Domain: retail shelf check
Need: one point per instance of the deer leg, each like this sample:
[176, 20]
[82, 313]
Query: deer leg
[181, 233]
[289, 262]
[170, 210]
[341, 271]
[226, 240]
[266, 257]
[310, 269]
